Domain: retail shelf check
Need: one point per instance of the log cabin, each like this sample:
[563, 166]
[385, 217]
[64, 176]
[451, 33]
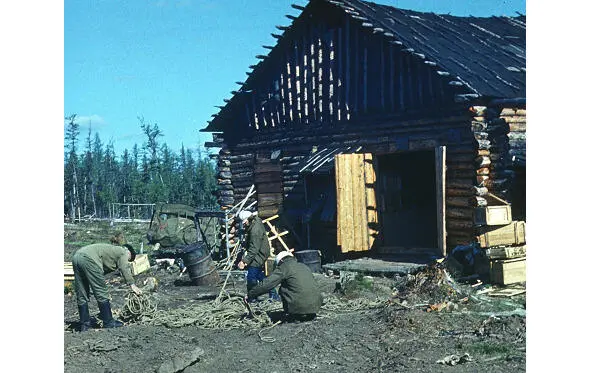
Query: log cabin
[373, 128]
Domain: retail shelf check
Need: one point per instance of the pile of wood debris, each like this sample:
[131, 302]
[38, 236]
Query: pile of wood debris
[433, 285]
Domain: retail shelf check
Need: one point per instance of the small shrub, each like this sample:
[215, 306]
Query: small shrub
[358, 283]
[68, 288]
[487, 348]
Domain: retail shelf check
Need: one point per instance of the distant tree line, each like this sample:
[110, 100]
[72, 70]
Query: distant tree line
[95, 178]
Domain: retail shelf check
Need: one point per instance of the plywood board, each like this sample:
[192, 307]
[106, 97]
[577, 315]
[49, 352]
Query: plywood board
[353, 201]
[339, 192]
[370, 198]
[506, 292]
[358, 198]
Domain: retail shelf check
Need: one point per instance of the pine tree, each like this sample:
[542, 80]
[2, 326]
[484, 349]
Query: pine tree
[96, 178]
[72, 201]
[155, 183]
[88, 180]
[206, 182]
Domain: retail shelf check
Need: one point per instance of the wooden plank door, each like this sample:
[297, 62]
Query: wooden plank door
[357, 216]
[268, 183]
[440, 167]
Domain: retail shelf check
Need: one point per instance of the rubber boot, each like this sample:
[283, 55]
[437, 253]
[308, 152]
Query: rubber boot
[107, 316]
[84, 317]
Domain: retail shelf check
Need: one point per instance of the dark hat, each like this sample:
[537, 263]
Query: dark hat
[131, 250]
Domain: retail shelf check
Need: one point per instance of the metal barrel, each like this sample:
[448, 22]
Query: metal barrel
[200, 266]
[311, 258]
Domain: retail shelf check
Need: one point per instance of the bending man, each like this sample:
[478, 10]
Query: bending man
[299, 291]
[91, 263]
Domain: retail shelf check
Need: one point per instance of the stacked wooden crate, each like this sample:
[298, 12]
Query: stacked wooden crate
[68, 272]
[503, 241]
[140, 265]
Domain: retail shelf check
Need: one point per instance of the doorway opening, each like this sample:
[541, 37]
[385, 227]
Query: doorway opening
[407, 201]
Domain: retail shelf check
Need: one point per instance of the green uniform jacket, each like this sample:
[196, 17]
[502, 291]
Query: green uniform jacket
[109, 258]
[257, 244]
[299, 291]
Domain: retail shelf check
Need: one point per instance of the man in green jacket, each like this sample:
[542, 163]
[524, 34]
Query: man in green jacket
[91, 263]
[299, 291]
[257, 251]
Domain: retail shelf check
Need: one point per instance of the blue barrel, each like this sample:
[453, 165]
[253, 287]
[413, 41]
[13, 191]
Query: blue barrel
[311, 258]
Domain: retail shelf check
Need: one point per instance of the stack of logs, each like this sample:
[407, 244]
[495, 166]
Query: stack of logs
[468, 179]
[499, 136]
[225, 191]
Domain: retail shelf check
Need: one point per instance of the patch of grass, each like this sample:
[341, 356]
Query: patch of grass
[487, 348]
[79, 243]
[359, 283]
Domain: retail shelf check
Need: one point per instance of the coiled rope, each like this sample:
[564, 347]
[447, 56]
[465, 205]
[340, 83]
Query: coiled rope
[138, 308]
[229, 311]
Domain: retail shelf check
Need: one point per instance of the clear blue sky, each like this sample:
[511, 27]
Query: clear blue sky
[172, 61]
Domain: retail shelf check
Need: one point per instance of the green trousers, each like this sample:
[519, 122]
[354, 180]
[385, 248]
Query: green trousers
[87, 275]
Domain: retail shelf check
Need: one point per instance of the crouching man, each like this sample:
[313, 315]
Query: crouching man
[299, 291]
[91, 263]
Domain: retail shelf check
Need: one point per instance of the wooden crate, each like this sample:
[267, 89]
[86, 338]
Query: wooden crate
[505, 252]
[498, 212]
[140, 265]
[507, 271]
[68, 271]
[508, 235]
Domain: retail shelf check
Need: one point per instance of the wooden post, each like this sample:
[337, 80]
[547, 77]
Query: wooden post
[321, 83]
[282, 94]
[339, 74]
[298, 83]
[313, 75]
[331, 77]
[306, 57]
[440, 166]
[289, 78]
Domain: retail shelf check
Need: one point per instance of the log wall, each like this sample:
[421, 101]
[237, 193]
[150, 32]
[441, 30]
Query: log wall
[481, 153]
[493, 165]
[383, 138]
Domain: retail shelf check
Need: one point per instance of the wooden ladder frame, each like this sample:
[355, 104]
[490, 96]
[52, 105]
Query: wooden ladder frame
[276, 234]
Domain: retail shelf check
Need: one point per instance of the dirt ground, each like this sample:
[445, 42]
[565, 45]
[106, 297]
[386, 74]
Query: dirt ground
[484, 334]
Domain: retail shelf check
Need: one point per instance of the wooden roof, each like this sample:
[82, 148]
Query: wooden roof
[484, 56]
[487, 54]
